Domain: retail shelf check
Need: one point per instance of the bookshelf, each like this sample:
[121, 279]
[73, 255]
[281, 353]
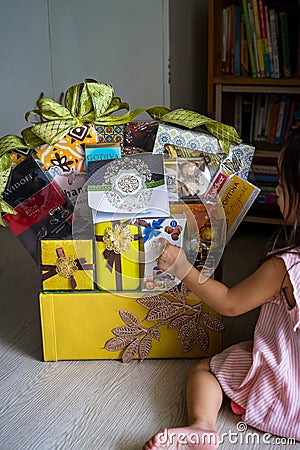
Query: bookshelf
[258, 101]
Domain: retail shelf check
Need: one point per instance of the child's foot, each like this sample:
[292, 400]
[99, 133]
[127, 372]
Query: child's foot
[188, 438]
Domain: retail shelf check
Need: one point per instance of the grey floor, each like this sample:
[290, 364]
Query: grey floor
[103, 405]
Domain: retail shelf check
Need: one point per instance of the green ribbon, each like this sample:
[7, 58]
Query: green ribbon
[7, 144]
[85, 103]
[93, 102]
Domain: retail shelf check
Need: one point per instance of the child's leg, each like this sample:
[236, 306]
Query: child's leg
[204, 399]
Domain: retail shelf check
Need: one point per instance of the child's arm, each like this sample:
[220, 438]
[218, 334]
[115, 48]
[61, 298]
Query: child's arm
[252, 292]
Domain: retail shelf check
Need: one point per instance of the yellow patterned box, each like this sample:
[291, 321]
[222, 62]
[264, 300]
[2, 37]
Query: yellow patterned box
[69, 152]
[102, 325]
[65, 160]
[118, 256]
[67, 265]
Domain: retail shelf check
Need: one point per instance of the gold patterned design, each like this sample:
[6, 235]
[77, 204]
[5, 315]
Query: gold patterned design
[66, 266]
[117, 238]
[191, 321]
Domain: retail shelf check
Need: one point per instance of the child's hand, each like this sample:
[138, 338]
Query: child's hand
[173, 260]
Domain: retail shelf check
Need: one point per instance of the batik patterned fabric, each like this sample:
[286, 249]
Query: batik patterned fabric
[68, 152]
[109, 134]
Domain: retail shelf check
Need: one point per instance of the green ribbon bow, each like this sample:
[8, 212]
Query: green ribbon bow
[88, 102]
[7, 144]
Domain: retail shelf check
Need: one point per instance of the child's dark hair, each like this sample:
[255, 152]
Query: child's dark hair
[288, 236]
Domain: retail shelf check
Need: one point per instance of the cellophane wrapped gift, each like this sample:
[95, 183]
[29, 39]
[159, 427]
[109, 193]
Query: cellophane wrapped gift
[187, 143]
[67, 265]
[153, 230]
[118, 319]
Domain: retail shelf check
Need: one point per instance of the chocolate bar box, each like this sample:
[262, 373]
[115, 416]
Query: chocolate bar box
[41, 207]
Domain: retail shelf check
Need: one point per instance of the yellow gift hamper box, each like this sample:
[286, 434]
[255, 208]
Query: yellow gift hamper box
[102, 325]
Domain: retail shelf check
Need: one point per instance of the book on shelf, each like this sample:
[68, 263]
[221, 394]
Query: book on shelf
[279, 123]
[269, 39]
[264, 37]
[274, 38]
[267, 169]
[238, 109]
[287, 110]
[237, 41]
[258, 39]
[231, 39]
[224, 41]
[249, 38]
[263, 178]
[274, 120]
[266, 199]
[246, 117]
[298, 45]
[253, 38]
[290, 118]
[285, 46]
[244, 48]
[265, 117]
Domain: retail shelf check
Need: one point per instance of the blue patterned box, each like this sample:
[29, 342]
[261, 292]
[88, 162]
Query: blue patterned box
[109, 133]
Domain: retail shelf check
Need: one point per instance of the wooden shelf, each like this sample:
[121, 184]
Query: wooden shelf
[264, 82]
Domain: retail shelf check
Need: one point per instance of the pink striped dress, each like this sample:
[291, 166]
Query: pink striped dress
[263, 376]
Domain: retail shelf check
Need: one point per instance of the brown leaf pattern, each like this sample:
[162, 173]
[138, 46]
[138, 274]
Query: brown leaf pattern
[117, 343]
[179, 321]
[126, 330]
[176, 294]
[152, 301]
[212, 322]
[162, 312]
[202, 338]
[145, 347]
[129, 318]
[155, 333]
[188, 335]
[135, 340]
[131, 350]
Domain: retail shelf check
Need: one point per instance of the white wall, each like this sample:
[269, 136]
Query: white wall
[49, 45]
[25, 60]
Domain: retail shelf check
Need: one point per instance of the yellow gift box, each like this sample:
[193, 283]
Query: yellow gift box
[118, 256]
[67, 265]
[102, 325]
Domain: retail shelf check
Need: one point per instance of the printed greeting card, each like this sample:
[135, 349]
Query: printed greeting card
[129, 187]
